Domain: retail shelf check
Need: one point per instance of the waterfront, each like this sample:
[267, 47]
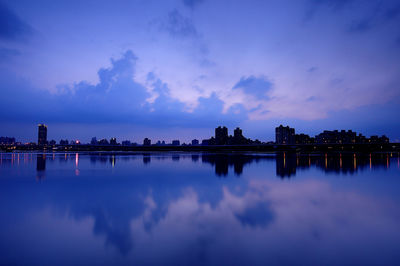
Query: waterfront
[196, 209]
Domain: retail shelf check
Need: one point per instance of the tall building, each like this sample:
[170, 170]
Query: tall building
[221, 135]
[113, 141]
[176, 143]
[195, 142]
[238, 138]
[42, 134]
[285, 135]
[146, 142]
[93, 141]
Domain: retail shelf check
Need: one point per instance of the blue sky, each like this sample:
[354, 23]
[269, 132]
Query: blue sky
[177, 69]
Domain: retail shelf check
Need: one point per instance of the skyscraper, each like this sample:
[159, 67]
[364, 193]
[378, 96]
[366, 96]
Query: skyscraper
[146, 142]
[221, 135]
[42, 134]
[285, 135]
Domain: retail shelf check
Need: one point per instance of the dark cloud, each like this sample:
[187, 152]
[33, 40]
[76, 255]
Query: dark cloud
[11, 26]
[311, 99]
[192, 3]
[117, 98]
[256, 86]
[312, 69]
[178, 25]
[259, 215]
[183, 30]
[361, 25]
[378, 14]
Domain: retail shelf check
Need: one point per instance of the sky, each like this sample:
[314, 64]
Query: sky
[176, 69]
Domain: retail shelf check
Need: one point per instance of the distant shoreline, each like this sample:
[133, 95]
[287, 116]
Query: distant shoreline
[308, 148]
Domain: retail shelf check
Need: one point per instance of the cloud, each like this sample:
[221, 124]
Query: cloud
[256, 86]
[375, 14]
[179, 26]
[361, 25]
[259, 215]
[192, 3]
[11, 26]
[116, 98]
[312, 69]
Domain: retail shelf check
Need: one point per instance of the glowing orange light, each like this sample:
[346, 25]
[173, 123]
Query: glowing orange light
[370, 161]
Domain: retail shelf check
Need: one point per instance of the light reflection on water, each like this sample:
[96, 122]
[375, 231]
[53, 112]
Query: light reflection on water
[235, 209]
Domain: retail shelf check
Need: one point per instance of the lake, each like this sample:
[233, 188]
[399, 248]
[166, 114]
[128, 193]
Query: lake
[199, 209]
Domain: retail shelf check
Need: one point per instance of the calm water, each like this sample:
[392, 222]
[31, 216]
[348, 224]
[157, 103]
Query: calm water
[194, 209]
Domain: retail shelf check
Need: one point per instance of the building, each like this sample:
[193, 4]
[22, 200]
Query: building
[113, 141]
[303, 139]
[42, 134]
[176, 143]
[126, 143]
[195, 142]
[221, 135]
[103, 142]
[146, 142]
[285, 135]
[93, 141]
[7, 141]
[238, 138]
[375, 139]
[336, 137]
[64, 142]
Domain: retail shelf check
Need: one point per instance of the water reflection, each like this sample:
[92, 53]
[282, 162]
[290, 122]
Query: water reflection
[142, 213]
[40, 166]
[286, 163]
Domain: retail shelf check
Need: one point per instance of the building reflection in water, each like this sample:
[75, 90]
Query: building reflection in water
[40, 166]
[222, 162]
[346, 163]
[287, 163]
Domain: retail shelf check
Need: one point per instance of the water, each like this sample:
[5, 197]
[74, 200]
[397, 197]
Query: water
[199, 209]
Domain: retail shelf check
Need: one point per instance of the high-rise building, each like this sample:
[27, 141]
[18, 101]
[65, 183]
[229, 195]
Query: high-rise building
[176, 142]
[146, 142]
[285, 135]
[93, 141]
[42, 134]
[113, 141]
[195, 142]
[238, 138]
[221, 135]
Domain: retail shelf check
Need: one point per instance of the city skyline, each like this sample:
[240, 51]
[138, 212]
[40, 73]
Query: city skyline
[179, 67]
[284, 135]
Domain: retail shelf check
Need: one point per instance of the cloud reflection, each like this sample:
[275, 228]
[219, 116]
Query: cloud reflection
[146, 215]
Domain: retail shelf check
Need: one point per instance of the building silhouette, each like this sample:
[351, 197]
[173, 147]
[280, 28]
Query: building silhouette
[221, 135]
[42, 134]
[238, 138]
[176, 143]
[7, 140]
[113, 141]
[285, 135]
[103, 142]
[336, 137]
[126, 143]
[304, 139]
[146, 142]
